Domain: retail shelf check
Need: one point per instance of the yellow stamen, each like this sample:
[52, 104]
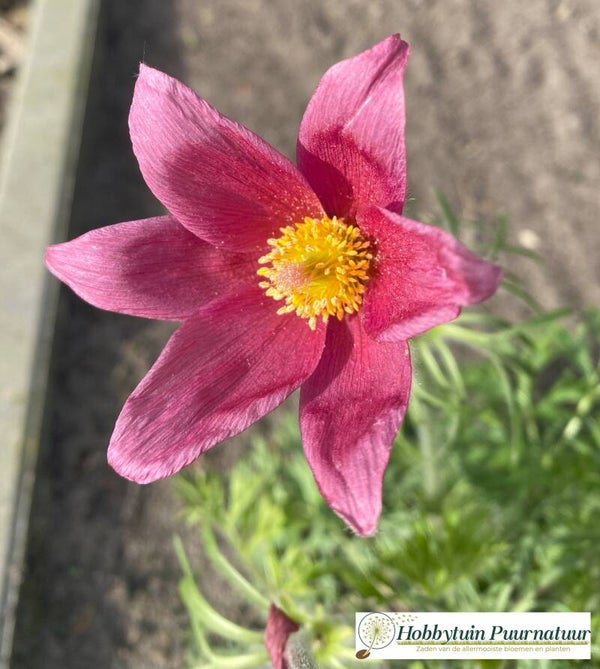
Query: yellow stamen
[318, 267]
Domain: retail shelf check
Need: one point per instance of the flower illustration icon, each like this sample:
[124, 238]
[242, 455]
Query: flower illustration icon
[375, 630]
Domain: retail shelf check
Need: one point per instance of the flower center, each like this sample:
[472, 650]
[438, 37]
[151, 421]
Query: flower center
[319, 267]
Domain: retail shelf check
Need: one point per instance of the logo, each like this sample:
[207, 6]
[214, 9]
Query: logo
[407, 636]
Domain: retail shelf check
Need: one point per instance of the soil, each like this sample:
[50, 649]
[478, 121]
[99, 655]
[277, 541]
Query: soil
[502, 104]
[14, 18]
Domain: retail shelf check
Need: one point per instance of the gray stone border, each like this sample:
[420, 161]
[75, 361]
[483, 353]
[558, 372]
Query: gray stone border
[41, 145]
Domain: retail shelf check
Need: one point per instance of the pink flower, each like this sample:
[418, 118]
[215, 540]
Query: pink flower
[283, 276]
[277, 632]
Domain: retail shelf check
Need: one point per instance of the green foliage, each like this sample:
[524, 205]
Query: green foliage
[491, 500]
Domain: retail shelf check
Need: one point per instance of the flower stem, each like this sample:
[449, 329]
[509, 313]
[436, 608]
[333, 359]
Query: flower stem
[221, 564]
[200, 608]
[425, 439]
[297, 652]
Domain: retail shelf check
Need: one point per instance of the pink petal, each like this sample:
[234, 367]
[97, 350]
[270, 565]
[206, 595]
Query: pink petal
[227, 366]
[351, 141]
[350, 411]
[277, 632]
[221, 181]
[153, 268]
[423, 276]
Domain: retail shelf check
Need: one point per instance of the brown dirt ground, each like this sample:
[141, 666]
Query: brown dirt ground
[503, 102]
[14, 19]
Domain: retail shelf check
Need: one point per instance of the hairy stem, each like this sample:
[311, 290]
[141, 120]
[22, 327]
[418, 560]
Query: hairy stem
[297, 652]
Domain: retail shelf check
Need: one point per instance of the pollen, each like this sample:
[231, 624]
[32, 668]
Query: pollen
[318, 268]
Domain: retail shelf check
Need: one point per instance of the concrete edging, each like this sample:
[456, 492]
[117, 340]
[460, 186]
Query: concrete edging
[41, 144]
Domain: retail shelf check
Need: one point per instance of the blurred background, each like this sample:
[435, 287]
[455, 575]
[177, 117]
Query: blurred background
[503, 115]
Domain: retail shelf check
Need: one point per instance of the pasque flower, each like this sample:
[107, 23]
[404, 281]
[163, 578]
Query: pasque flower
[284, 277]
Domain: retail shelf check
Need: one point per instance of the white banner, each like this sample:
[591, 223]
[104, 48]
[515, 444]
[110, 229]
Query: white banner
[413, 636]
